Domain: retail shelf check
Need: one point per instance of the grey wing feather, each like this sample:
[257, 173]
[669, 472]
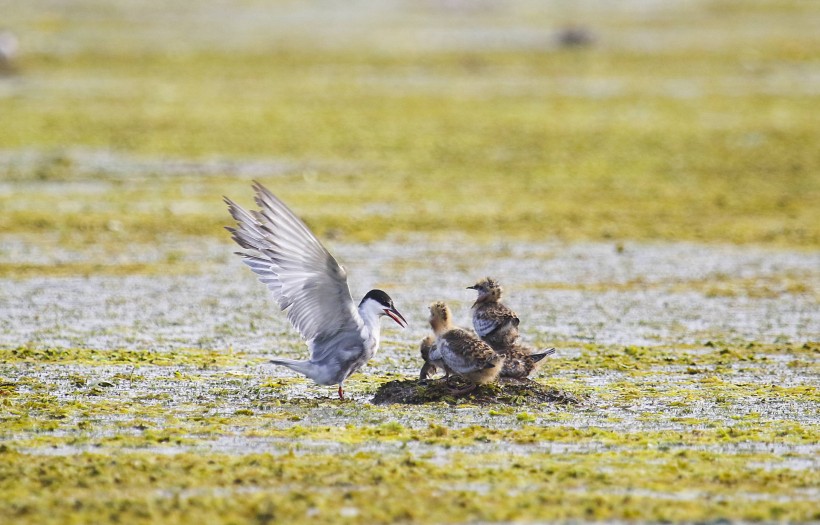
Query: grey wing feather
[483, 325]
[302, 275]
[491, 317]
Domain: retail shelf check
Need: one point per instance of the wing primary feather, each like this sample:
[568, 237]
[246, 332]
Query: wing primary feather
[304, 278]
[264, 193]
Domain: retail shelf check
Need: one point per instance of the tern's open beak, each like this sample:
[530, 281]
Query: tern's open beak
[396, 316]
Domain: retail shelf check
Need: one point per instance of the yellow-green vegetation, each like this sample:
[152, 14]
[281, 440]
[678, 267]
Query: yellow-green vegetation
[180, 438]
[188, 357]
[23, 270]
[712, 138]
[718, 285]
[330, 488]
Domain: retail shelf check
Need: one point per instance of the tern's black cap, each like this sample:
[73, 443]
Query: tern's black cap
[379, 296]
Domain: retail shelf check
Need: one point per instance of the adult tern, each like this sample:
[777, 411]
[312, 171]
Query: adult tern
[307, 281]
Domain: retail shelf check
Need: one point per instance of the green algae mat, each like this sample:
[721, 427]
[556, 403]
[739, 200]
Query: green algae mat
[710, 413]
[648, 194]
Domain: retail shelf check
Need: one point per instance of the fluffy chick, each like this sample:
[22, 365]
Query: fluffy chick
[460, 351]
[427, 345]
[521, 360]
[494, 322]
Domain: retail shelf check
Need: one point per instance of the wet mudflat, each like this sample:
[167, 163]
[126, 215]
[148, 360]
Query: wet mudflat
[646, 191]
[677, 392]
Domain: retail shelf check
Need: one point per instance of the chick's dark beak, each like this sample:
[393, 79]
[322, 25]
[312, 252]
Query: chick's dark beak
[473, 287]
[396, 316]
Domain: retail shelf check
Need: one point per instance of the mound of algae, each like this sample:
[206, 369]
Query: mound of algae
[506, 392]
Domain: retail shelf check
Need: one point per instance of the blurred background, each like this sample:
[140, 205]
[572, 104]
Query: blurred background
[123, 123]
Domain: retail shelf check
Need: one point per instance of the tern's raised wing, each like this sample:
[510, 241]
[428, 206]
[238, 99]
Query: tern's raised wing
[302, 275]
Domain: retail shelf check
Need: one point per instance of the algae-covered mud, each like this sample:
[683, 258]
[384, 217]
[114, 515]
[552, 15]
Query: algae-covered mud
[677, 393]
[641, 176]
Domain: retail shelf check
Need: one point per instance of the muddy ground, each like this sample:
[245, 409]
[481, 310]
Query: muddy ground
[673, 368]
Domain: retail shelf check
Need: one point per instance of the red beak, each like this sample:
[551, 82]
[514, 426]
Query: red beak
[396, 316]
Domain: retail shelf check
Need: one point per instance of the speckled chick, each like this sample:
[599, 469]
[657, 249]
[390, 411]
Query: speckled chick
[493, 321]
[461, 351]
[425, 347]
[521, 360]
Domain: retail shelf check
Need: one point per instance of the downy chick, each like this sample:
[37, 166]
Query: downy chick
[521, 361]
[493, 321]
[427, 345]
[460, 351]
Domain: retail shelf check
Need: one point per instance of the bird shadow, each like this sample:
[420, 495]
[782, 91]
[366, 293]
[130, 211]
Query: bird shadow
[514, 392]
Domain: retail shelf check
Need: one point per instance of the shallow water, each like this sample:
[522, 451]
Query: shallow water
[572, 296]
[636, 294]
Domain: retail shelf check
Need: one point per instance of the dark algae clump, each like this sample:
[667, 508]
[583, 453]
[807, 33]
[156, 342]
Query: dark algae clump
[505, 392]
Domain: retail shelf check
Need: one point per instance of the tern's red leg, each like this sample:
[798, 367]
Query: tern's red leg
[341, 393]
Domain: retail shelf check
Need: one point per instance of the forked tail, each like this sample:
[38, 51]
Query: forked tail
[541, 355]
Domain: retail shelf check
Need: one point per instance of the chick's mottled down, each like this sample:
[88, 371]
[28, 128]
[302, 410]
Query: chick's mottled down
[521, 360]
[425, 347]
[493, 321]
[497, 325]
[460, 351]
